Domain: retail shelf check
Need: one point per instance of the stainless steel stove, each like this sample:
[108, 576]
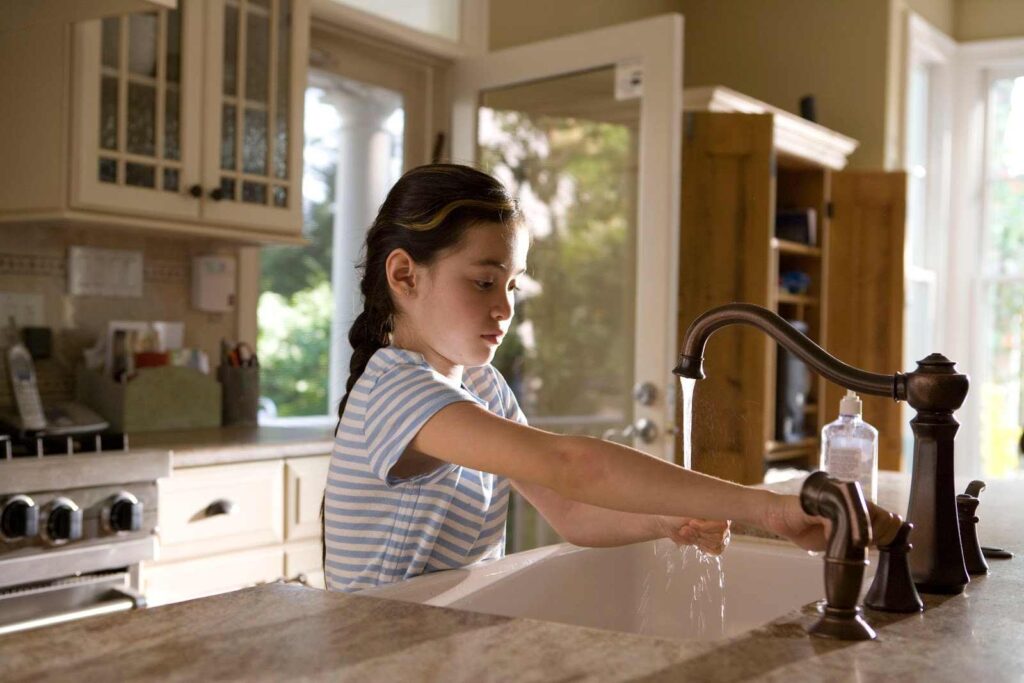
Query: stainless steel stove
[77, 516]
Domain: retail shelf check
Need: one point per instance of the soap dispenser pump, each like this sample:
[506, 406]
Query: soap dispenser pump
[849, 447]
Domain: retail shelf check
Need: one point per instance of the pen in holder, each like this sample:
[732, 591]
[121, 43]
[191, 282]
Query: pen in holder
[241, 394]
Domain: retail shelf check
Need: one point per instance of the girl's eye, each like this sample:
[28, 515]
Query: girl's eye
[483, 284]
[515, 288]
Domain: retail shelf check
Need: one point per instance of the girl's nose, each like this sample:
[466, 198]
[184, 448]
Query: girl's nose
[503, 308]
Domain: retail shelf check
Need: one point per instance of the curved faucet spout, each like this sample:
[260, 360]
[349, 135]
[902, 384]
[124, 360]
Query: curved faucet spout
[691, 359]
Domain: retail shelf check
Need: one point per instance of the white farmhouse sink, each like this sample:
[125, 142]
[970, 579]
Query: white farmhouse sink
[650, 588]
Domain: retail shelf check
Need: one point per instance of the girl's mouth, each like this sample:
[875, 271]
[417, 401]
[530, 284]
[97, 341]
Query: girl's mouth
[492, 338]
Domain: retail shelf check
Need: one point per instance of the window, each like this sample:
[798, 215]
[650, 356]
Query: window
[436, 17]
[309, 295]
[1001, 277]
[926, 158]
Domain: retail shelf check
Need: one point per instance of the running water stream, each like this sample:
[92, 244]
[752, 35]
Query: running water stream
[705, 619]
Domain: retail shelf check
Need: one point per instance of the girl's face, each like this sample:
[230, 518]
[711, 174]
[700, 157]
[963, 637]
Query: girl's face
[464, 301]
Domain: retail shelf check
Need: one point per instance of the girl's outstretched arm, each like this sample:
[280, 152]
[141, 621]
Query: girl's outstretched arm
[612, 476]
[592, 526]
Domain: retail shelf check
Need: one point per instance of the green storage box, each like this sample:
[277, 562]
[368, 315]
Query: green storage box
[154, 399]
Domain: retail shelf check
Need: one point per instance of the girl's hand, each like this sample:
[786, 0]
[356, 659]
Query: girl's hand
[786, 518]
[710, 536]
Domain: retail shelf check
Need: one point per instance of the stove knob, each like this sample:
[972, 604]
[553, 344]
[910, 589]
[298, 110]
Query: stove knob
[64, 521]
[19, 518]
[125, 513]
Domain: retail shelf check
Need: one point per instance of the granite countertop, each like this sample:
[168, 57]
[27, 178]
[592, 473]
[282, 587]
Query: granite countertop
[222, 445]
[284, 631]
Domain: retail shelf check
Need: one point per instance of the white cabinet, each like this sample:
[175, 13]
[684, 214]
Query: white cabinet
[206, 510]
[167, 582]
[187, 120]
[304, 487]
[225, 527]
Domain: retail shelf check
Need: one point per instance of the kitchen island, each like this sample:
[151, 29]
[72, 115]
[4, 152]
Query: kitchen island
[280, 631]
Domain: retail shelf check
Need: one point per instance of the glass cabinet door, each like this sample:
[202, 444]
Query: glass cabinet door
[254, 113]
[137, 93]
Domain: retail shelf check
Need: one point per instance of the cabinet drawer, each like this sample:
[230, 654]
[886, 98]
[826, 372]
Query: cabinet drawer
[305, 480]
[166, 582]
[304, 560]
[209, 510]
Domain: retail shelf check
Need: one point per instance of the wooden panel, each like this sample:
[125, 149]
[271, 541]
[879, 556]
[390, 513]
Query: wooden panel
[305, 479]
[727, 209]
[167, 582]
[865, 299]
[255, 489]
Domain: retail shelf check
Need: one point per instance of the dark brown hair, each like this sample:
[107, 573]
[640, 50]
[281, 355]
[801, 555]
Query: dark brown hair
[426, 212]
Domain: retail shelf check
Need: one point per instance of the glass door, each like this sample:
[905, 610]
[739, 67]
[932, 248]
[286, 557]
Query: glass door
[585, 131]
[253, 109]
[136, 93]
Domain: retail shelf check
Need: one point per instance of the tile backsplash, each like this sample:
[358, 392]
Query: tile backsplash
[34, 260]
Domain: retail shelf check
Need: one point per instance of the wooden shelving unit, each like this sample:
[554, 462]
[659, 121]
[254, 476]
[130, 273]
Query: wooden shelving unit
[742, 161]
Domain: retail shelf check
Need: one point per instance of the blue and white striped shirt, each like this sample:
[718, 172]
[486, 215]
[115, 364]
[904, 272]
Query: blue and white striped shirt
[381, 528]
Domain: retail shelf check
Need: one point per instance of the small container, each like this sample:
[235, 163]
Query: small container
[240, 395]
[849, 447]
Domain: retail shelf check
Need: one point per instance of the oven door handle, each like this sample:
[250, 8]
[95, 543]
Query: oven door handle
[123, 599]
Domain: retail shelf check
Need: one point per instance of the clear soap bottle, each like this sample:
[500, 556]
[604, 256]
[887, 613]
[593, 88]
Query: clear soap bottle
[849, 447]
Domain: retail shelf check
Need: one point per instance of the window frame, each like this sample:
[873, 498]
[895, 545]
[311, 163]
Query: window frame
[977, 62]
[346, 48]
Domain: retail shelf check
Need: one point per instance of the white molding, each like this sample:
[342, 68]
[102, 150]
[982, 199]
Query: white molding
[976, 63]
[474, 28]
[932, 44]
[992, 53]
[794, 135]
[656, 43]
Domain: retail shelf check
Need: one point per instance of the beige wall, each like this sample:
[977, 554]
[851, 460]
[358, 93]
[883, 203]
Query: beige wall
[774, 50]
[939, 13]
[514, 22]
[984, 19]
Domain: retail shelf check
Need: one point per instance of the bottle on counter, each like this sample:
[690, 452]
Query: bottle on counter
[849, 447]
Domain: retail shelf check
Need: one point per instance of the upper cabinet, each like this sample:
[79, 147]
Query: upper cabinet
[185, 119]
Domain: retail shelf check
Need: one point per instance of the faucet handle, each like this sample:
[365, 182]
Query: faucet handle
[892, 589]
[975, 488]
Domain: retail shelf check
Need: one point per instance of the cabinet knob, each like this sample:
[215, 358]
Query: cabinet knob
[216, 194]
[196, 191]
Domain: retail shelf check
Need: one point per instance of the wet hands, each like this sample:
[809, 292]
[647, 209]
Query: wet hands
[710, 536]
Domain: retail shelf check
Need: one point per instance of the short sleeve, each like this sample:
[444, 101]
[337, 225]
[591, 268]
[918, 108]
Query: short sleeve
[402, 400]
[509, 404]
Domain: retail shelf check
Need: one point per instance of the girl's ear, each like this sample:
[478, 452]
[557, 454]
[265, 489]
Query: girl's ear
[401, 272]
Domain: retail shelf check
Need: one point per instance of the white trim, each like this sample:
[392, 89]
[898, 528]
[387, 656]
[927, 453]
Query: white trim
[793, 135]
[473, 30]
[974, 66]
[657, 44]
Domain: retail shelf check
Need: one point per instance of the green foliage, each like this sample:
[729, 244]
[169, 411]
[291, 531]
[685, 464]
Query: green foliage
[294, 312]
[294, 349]
[585, 264]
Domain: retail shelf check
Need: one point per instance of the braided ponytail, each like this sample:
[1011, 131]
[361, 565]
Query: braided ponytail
[426, 212]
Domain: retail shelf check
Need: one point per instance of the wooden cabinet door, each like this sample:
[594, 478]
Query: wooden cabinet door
[728, 205]
[865, 293]
[253, 113]
[136, 105]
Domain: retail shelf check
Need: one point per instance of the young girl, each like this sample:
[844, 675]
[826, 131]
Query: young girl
[430, 437]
